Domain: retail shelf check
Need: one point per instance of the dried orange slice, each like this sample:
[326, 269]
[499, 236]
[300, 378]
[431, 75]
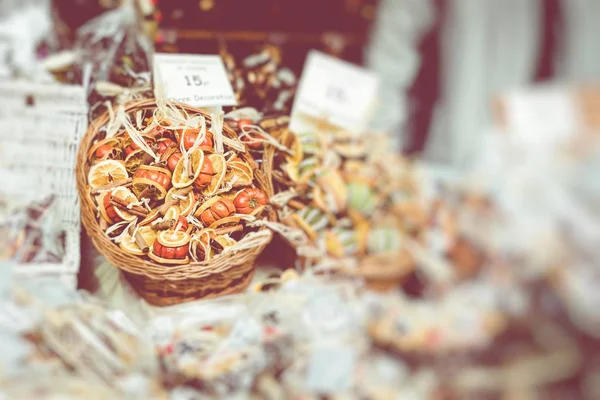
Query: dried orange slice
[206, 205]
[201, 242]
[148, 234]
[181, 178]
[225, 241]
[232, 220]
[156, 191]
[134, 160]
[219, 170]
[172, 214]
[151, 217]
[184, 205]
[242, 173]
[124, 194]
[129, 245]
[101, 208]
[173, 238]
[106, 172]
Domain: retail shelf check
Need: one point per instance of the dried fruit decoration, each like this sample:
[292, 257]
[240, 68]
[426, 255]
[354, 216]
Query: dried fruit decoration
[162, 190]
[248, 200]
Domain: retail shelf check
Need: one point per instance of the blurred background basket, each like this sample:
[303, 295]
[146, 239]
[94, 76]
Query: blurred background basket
[39, 146]
[159, 284]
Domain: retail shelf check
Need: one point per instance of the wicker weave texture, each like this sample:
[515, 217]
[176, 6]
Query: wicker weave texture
[223, 274]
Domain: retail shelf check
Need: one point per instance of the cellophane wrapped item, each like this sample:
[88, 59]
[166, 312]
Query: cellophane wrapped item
[30, 221]
[110, 56]
[119, 57]
[212, 347]
[544, 215]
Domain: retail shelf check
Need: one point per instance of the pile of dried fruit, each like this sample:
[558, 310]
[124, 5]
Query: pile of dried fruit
[261, 81]
[164, 190]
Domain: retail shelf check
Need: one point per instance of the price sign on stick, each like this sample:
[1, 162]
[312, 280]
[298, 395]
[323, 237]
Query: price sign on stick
[197, 80]
[334, 93]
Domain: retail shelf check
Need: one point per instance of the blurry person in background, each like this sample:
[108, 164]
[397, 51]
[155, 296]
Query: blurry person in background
[443, 61]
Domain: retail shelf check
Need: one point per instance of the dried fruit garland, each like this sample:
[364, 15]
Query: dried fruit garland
[163, 191]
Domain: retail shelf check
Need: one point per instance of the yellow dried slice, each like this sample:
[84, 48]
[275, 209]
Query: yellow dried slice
[172, 214]
[129, 245]
[225, 240]
[232, 220]
[219, 170]
[243, 176]
[180, 175]
[204, 206]
[184, 206]
[148, 234]
[134, 160]
[100, 202]
[151, 217]
[106, 172]
[173, 238]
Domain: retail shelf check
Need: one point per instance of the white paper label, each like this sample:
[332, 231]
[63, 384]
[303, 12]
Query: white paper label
[197, 80]
[334, 91]
[542, 115]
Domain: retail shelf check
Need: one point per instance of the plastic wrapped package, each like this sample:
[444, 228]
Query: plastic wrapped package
[210, 346]
[110, 57]
[98, 344]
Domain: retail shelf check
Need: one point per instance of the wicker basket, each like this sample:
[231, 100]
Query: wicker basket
[47, 122]
[167, 285]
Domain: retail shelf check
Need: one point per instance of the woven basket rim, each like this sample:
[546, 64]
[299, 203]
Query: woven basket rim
[222, 263]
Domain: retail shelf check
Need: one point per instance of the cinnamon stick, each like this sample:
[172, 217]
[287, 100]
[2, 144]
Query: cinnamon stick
[166, 205]
[129, 210]
[146, 192]
[124, 183]
[139, 240]
[189, 169]
[147, 159]
[164, 225]
[124, 204]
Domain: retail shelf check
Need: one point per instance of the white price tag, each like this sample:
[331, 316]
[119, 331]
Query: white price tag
[542, 115]
[335, 92]
[197, 80]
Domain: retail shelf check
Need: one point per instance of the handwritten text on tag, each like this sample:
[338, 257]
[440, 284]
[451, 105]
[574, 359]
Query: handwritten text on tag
[340, 93]
[197, 80]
